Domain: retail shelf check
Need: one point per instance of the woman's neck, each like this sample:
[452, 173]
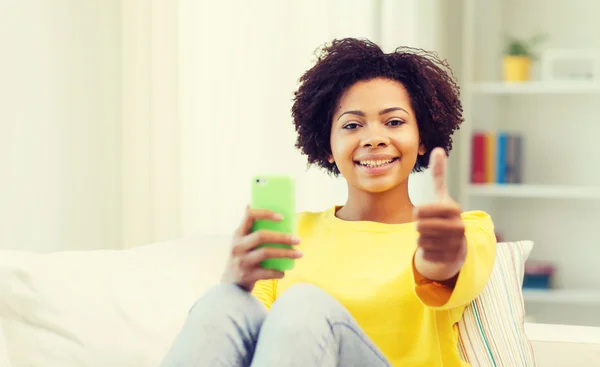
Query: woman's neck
[392, 206]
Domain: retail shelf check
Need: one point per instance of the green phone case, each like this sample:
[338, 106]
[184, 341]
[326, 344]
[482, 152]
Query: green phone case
[278, 194]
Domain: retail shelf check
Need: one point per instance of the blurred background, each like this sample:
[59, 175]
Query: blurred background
[127, 122]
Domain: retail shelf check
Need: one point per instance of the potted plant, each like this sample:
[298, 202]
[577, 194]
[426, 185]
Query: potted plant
[518, 57]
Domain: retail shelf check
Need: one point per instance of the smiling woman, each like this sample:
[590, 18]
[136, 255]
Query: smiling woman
[377, 281]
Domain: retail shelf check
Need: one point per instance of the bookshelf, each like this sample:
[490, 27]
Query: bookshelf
[555, 202]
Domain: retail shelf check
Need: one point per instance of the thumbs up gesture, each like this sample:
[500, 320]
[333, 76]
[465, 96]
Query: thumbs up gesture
[441, 247]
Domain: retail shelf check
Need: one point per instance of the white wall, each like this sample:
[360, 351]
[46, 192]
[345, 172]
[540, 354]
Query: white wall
[60, 138]
[143, 120]
[151, 160]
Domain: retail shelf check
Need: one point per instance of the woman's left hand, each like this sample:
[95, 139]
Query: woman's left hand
[441, 247]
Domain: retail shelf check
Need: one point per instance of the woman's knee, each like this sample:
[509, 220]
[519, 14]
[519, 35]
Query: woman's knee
[227, 302]
[306, 293]
[304, 303]
[222, 325]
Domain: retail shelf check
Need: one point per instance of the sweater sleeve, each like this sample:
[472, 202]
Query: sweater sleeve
[475, 272]
[264, 290]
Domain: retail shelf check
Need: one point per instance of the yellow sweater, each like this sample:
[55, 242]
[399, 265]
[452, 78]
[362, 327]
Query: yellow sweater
[367, 266]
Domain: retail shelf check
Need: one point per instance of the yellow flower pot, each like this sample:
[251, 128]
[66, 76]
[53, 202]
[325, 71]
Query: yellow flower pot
[516, 68]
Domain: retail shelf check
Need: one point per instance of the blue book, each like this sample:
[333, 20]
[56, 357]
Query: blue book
[501, 152]
[513, 159]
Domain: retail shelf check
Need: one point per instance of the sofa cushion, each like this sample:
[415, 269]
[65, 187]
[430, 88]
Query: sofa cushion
[103, 308]
[4, 357]
[492, 331]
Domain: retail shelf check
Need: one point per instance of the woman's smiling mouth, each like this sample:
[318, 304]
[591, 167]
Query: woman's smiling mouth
[376, 165]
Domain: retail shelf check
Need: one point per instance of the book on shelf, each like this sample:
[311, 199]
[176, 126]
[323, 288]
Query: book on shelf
[538, 275]
[496, 157]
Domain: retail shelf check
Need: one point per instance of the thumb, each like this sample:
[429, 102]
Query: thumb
[437, 163]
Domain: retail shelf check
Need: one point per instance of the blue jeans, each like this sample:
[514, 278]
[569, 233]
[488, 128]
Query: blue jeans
[305, 327]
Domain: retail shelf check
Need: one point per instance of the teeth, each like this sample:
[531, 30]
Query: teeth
[378, 163]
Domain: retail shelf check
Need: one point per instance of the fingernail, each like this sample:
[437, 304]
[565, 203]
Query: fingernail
[278, 216]
[299, 253]
[296, 239]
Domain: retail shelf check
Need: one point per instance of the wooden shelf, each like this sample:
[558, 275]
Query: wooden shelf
[563, 296]
[537, 87]
[534, 191]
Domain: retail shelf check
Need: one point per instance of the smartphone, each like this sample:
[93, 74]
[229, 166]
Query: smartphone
[278, 194]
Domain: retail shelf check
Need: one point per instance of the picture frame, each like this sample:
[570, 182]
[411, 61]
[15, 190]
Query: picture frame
[571, 65]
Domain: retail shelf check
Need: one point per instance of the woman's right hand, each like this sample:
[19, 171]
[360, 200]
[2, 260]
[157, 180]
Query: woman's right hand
[244, 265]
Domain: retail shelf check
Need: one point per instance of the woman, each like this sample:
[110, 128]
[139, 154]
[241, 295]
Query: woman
[377, 282]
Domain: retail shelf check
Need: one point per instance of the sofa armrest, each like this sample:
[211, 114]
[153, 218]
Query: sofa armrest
[564, 345]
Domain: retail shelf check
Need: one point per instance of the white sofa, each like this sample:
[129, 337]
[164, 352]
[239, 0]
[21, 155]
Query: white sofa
[123, 308]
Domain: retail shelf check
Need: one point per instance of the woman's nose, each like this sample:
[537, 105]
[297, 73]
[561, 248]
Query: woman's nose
[375, 138]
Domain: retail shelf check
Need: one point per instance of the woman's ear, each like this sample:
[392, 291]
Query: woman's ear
[330, 159]
[422, 149]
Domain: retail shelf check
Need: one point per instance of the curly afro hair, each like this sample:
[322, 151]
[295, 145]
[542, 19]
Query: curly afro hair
[434, 94]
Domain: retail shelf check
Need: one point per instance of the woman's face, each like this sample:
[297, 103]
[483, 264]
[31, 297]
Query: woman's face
[374, 135]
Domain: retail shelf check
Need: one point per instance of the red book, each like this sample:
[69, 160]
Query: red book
[478, 158]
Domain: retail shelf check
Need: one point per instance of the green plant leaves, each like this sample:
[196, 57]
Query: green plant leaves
[518, 47]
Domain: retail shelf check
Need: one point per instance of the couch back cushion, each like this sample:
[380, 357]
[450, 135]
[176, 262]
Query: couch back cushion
[103, 308]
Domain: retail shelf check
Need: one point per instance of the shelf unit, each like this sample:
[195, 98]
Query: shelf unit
[555, 206]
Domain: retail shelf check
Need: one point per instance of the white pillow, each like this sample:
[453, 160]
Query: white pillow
[103, 308]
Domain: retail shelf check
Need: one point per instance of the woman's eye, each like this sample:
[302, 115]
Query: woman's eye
[351, 126]
[395, 122]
